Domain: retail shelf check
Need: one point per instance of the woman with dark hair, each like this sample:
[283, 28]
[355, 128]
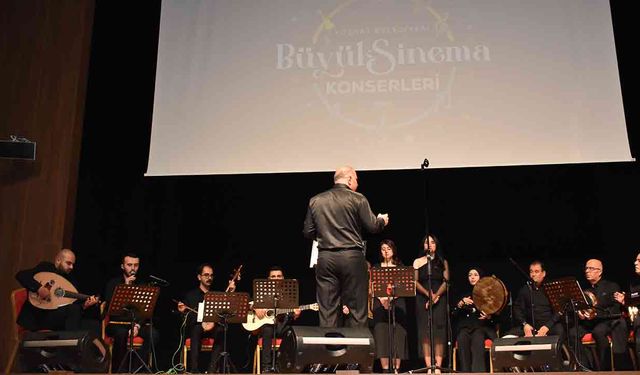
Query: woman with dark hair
[389, 258]
[433, 299]
[474, 327]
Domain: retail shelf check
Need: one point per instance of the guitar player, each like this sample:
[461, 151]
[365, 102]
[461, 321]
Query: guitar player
[206, 329]
[282, 323]
[67, 317]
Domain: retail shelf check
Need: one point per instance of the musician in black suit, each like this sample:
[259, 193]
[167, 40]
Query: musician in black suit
[282, 323]
[605, 319]
[119, 326]
[63, 318]
[206, 329]
[542, 320]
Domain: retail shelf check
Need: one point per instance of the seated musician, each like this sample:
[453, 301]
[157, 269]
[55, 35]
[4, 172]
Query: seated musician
[473, 327]
[282, 323]
[631, 301]
[66, 317]
[541, 321]
[197, 331]
[605, 319]
[119, 326]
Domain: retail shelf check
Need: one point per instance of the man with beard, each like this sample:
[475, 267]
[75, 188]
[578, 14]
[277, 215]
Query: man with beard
[206, 329]
[63, 318]
[282, 322]
[119, 326]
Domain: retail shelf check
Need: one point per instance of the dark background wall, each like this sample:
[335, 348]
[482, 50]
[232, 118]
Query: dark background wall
[562, 214]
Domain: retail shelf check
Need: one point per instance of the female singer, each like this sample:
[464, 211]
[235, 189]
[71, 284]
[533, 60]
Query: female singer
[434, 300]
[474, 327]
[381, 305]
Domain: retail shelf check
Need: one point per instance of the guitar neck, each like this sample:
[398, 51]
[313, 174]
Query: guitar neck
[302, 307]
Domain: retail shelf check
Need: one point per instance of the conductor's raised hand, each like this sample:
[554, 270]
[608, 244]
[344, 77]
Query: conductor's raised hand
[385, 218]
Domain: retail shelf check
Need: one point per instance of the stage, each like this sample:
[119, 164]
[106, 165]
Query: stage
[356, 372]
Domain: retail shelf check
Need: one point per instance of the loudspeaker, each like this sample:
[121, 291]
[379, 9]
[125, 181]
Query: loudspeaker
[18, 150]
[532, 353]
[315, 349]
[78, 351]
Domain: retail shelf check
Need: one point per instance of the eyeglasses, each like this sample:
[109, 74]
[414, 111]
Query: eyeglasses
[206, 275]
[592, 269]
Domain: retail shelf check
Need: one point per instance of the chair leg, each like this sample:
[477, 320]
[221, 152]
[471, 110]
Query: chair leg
[611, 353]
[256, 360]
[184, 358]
[455, 367]
[12, 358]
[490, 362]
[110, 357]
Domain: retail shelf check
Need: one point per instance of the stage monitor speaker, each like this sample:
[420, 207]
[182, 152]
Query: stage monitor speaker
[529, 354]
[315, 349]
[18, 150]
[77, 351]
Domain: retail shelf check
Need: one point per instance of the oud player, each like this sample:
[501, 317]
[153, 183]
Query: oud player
[67, 317]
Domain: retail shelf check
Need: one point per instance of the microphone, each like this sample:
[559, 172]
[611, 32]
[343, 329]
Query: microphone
[430, 256]
[158, 280]
[132, 273]
[425, 164]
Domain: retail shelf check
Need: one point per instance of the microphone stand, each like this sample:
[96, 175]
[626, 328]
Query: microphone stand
[530, 286]
[391, 320]
[431, 343]
[449, 330]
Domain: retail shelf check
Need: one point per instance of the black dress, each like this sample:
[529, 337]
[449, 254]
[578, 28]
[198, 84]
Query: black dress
[439, 309]
[381, 328]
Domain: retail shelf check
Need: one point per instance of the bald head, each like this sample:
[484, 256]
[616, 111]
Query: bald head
[593, 270]
[65, 260]
[346, 175]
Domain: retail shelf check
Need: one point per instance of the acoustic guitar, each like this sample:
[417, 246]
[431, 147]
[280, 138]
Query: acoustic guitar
[62, 292]
[253, 322]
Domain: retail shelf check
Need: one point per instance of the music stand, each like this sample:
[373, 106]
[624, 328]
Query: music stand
[564, 294]
[393, 282]
[224, 308]
[137, 301]
[275, 294]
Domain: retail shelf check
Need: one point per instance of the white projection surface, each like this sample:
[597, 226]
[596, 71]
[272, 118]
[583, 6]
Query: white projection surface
[261, 86]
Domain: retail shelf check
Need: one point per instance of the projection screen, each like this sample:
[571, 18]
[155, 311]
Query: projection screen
[262, 86]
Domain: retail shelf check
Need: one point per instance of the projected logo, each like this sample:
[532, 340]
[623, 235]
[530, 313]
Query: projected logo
[374, 73]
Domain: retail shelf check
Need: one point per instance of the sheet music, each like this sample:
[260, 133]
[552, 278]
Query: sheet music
[314, 254]
[200, 311]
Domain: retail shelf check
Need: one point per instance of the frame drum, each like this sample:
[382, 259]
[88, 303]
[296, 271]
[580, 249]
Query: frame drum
[490, 295]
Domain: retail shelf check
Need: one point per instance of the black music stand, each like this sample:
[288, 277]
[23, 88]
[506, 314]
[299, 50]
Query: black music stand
[224, 308]
[137, 301]
[565, 295]
[275, 294]
[393, 282]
